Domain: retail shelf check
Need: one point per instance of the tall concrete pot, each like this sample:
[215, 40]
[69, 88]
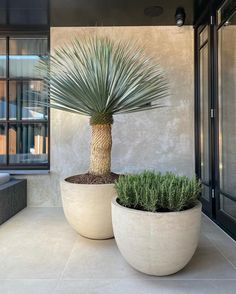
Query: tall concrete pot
[88, 208]
[156, 243]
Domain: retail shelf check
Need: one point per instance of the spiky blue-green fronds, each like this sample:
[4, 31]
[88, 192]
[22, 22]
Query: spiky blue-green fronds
[94, 76]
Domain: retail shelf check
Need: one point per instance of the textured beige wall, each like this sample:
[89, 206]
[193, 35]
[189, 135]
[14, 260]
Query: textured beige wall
[160, 139]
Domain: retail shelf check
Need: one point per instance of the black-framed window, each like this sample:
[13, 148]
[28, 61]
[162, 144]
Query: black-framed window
[226, 33]
[219, 108]
[24, 127]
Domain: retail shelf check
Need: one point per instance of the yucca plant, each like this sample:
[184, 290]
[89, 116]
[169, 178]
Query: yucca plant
[100, 78]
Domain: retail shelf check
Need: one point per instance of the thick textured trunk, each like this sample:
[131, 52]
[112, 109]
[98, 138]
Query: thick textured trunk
[100, 157]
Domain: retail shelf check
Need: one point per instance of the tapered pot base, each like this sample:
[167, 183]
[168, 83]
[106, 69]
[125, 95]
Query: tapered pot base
[87, 208]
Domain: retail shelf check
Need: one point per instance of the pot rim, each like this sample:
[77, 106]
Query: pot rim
[136, 211]
[89, 185]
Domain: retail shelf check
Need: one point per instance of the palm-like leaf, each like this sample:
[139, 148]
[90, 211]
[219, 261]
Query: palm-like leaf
[96, 75]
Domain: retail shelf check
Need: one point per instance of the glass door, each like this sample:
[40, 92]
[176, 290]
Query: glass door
[215, 113]
[204, 117]
[226, 184]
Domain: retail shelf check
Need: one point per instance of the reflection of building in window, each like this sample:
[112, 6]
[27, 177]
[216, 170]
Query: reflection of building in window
[2, 100]
[28, 143]
[2, 141]
[23, 119]
[12, 141]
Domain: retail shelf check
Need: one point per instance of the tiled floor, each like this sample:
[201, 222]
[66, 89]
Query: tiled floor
[40, 253]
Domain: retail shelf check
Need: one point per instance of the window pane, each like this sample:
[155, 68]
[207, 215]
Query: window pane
[28, 46]
[204, 113]
[2, 144]
[225, 11]
[2, 100]
[205, 192]
[28, 144]
[227, 107]
[25, 97]
[2, 57]
[25, 54]
[204, 35]
[228, 206]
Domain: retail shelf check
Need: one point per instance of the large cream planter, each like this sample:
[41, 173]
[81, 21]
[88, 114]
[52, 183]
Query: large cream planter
[88, 208]
[156, 243]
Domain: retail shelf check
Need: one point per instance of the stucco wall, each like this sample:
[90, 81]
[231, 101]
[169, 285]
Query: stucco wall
[160, 139]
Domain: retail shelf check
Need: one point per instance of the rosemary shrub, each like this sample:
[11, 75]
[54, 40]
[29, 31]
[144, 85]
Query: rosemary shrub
[156, 192]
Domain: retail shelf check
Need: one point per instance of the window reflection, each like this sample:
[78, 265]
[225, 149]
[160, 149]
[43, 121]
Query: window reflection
[227, 106]
[225, 11]
[228, 206]
[25, 55]
[23, 116]
[28, 143]
[2, 144]
[25, 99]
[204, 35]
[2, 100]
[2, 57]
[204, 113]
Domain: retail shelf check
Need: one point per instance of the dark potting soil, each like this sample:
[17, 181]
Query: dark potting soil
[92, 179]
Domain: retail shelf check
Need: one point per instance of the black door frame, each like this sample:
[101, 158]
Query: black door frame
[211, 208]
[207, 205]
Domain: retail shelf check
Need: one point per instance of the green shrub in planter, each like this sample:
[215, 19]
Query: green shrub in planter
[156, 221]
[156, 192]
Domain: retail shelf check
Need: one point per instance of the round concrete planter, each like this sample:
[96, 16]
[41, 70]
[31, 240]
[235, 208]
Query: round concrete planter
[156, 243]
[88, 208]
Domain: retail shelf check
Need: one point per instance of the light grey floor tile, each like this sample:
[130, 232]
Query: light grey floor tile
[35, 244]
[220, 240]
[101, 259]
[41, 254]
[154, 286]
[92, 259]
[207, 263]
[226, 246]
[223, 287]
[27, 286]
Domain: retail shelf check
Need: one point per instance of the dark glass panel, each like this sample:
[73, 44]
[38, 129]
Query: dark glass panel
[25, 54]
[28, 144]
[225, 11]
[227, 107]
[2, 100]
[204, 114]
[2, 57]
[25, 98]
[204, 35]
[2, 143]
[228, 206]
[205, 192]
